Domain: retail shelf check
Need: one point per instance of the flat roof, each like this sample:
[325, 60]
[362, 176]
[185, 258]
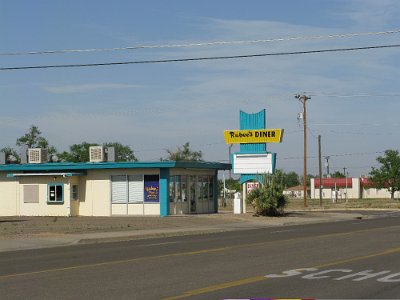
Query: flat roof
[69, 166]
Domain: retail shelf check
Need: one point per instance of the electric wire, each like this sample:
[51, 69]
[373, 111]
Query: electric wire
[202, 44]
[200, 58]
[354, 95]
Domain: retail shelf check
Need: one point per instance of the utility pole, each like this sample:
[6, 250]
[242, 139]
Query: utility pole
[320, 170]
[345, 177]
[230, 156]
[303, 99]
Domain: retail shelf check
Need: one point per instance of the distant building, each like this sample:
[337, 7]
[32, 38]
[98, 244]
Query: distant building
[353, 188]
[296, 192]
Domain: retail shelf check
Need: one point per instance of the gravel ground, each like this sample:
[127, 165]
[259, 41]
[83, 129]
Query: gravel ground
[20, 227]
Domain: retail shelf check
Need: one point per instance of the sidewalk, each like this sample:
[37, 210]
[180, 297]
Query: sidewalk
[55, 232]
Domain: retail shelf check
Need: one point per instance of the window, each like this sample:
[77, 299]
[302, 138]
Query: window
[31, 193]
[56, 194]
[172, 189]
[184, 185]
[151, 188]
[127, 189]
[74, 192]
[135, 189]
[211, 188]
[119, 189]
[203, 188]
[178, 188]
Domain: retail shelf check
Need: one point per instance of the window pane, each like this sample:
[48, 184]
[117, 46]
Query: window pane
[136, 189]
[193, 194]
[56, 193]
[184, 185]
[75, 193]
[203, 183]
[31, 193]
[178, 195]
[52, 193]
[59, 193]
[119, 193]
[151, 188]
[211, 188]
[171, 188]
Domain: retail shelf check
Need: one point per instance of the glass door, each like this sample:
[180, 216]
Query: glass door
[193, 194]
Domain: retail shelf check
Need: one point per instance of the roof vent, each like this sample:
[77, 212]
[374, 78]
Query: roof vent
[37, 155]
[97, 154]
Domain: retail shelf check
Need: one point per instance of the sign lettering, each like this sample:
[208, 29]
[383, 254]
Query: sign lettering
[253, 136]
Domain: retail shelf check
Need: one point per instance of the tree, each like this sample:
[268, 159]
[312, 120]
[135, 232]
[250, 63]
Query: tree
[269, 200]
[388, 174]
[80, 152]
[233, 184]
[77, 152]
[184, 153]
[291, 179]
[308, 179]
[11, 155]
[230, 184]
[337, 174]
[123, 153]
[33, 139]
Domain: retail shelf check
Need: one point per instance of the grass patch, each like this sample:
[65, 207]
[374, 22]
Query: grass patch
[342, 204]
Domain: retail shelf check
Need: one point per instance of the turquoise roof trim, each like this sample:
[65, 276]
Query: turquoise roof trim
[67, 166]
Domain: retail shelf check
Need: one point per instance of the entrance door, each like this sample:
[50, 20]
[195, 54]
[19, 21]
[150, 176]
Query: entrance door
[179, 195]
[193, 195]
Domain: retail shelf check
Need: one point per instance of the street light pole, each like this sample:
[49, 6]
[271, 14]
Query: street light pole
[303, 99]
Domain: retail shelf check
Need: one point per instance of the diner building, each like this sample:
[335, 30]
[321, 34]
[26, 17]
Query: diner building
[109, 188]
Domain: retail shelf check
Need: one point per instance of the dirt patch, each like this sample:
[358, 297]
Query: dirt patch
[28, 226]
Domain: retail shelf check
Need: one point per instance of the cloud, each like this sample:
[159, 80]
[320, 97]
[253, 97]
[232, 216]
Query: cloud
[87, 88]
[167, 105]
[371, 13]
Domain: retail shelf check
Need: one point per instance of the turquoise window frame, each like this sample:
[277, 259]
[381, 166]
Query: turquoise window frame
[62, 193]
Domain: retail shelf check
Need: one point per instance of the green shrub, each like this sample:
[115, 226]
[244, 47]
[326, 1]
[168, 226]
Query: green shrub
[268, 200]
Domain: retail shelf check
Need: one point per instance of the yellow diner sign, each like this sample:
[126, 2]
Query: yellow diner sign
[253, 136]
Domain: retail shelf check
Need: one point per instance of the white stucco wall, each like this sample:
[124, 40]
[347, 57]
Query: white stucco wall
[8, 196]
[96, 198]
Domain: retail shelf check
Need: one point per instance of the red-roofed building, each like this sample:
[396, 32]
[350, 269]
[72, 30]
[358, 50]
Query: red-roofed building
[336, 188]
[353, 188]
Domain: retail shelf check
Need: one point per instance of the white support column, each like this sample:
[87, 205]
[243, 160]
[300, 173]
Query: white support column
[244, 197]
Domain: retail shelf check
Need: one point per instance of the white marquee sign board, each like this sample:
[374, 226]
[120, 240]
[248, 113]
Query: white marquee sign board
[253, 163]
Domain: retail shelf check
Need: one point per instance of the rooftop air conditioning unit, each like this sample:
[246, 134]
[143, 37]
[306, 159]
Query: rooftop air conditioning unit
[37, 155]
[97, 154]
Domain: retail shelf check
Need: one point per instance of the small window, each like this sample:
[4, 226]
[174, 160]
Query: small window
[74, 192]
[55, 194]
[31, 193]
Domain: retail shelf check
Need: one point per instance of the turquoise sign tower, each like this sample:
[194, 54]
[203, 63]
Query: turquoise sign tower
[253, 121]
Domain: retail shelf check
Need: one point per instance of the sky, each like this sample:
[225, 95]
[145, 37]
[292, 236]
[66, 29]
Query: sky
[152, 107]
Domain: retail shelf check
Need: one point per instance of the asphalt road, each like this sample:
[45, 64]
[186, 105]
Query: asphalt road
[358, 259]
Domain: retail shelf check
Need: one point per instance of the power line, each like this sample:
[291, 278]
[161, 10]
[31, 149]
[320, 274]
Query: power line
[355, 95]
[199, 58]
[334, 155]
[201, 44]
